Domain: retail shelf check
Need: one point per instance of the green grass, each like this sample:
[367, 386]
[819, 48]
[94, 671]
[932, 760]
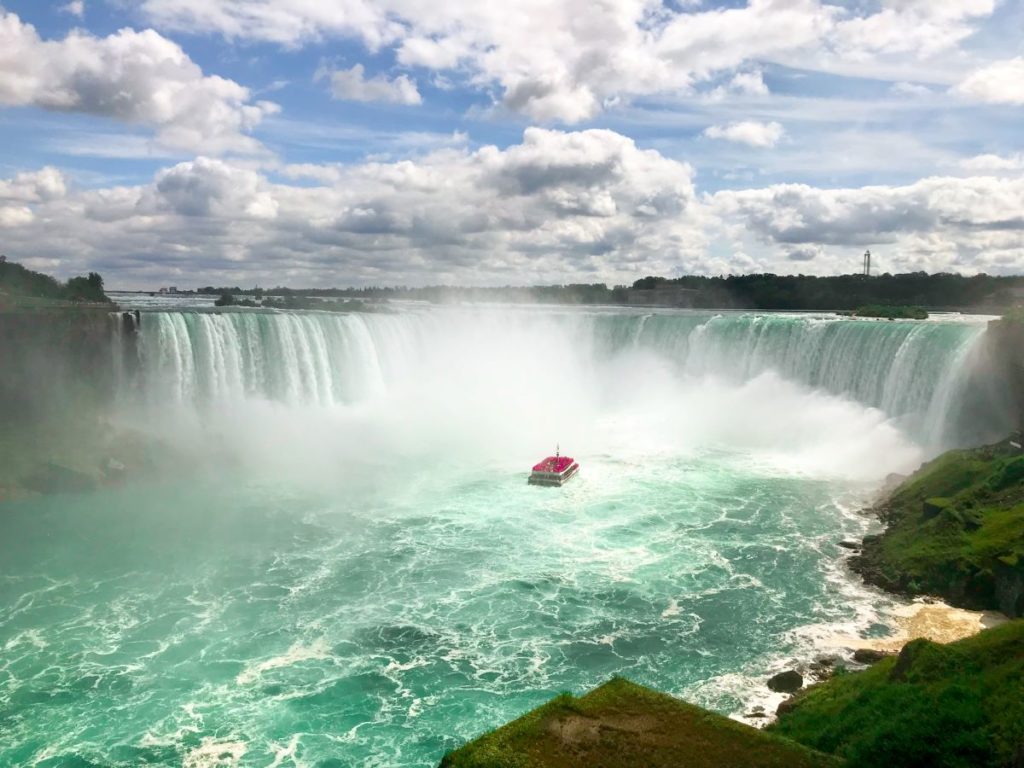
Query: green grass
[625, 725]
[937, 706]
[955, 528]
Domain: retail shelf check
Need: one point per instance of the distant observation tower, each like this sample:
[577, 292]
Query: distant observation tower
[867, 263]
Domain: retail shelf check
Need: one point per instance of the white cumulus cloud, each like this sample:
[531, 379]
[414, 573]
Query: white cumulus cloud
[555, 207]
[994, 163]
[134, 77]
[749, 132]
[353, 85]
[940, 223]
[998, 83]
[17, 194]
[565, 60]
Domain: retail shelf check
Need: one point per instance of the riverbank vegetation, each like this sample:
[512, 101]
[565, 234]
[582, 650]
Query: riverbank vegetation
[955, 529]
[19, 286]
[959, 705]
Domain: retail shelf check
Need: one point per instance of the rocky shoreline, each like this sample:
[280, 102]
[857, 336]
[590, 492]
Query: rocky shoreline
[955, 531]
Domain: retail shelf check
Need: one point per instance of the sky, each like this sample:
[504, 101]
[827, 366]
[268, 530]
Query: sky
[326, 143]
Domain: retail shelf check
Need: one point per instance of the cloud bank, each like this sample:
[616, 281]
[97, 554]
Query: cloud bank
[564, 60]
[556, 207]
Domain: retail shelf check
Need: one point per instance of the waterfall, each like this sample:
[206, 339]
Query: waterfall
[915, 372]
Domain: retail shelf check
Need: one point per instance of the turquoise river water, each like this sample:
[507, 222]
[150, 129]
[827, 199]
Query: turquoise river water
[359, 574]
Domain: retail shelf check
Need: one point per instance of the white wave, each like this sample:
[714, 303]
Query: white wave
[298, 652]
[214, 753]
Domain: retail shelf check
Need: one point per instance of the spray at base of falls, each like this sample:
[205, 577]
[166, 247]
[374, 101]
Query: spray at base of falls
[511, 360]
[372, 581]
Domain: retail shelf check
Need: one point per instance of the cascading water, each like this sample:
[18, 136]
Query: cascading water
[358, 573]
[912, 371]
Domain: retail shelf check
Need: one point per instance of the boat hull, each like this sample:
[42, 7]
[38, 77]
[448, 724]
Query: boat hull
[553, 479]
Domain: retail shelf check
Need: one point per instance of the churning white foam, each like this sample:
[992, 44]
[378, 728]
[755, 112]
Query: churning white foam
[298, 652]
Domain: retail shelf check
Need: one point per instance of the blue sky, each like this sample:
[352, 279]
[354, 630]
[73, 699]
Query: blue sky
[397, 142]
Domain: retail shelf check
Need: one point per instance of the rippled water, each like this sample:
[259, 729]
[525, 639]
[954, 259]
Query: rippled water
[371, 581]
[200, 626]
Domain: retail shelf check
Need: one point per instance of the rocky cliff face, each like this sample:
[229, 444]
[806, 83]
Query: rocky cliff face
[53, 358]
[1005, 341]
[57, 369]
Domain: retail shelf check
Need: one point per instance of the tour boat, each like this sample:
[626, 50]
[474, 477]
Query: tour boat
[555, 470]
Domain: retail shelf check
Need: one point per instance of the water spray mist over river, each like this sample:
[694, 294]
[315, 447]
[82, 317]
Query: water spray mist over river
[365, 576]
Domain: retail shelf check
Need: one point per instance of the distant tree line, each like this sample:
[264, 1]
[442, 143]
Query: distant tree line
[758, 291]
[768, 291]
[17, 280]
[900, 312]
[576, 293]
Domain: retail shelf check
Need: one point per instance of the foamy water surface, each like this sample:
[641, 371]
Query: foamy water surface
[358, 573]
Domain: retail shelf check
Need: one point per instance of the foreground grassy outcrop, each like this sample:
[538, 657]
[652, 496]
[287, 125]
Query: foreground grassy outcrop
[621, 725]
[940, 706]
[955, 529]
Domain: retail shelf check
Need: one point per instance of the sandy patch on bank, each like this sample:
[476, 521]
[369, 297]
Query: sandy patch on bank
[929, 619]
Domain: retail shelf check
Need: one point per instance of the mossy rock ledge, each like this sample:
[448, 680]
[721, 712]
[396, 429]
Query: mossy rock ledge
[954, 529]
[624, 725]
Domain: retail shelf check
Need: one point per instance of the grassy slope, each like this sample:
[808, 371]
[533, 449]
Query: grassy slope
[622, 725]
[955, 528]
[958, 706]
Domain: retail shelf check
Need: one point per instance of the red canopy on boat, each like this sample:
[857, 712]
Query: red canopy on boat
[556, 464]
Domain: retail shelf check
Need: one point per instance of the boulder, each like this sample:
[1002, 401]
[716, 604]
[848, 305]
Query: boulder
[906, 659]
[788, 705]
[869, 655]
[932, 507]
[1009, 585]
[823, 667]
[786, 682]
[849, 544]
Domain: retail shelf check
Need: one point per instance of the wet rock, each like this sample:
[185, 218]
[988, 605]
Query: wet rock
[869, 655]
[823, 667]
[756, 713]
[1009, 586]
[846, 544]
[906, 659]
[786, 682]
[933, 507]
[788, 705]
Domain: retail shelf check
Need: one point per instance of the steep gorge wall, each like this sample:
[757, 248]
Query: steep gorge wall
[54, 359]
[1005, 346]
[58, 376]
